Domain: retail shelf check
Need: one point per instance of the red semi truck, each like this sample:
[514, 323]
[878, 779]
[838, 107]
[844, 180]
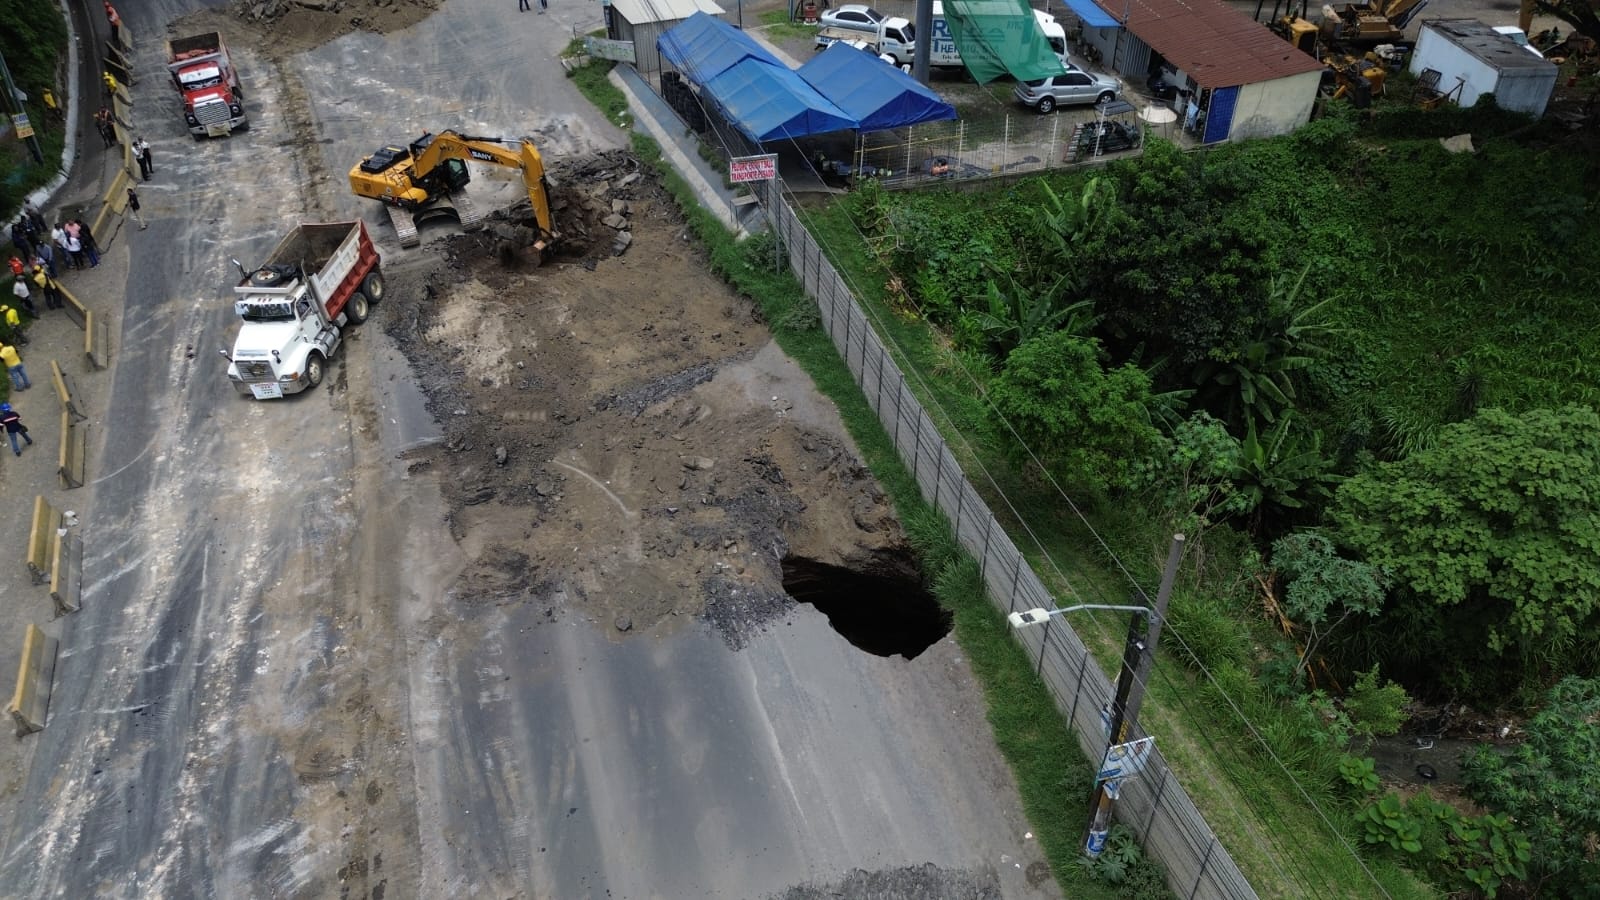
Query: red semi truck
[294, 307]
[204, 76]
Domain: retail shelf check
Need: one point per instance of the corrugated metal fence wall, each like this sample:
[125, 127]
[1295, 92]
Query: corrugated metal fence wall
[1154, 805]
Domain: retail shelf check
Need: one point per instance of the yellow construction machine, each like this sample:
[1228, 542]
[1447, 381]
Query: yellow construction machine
[426, 178]
[1366, 25]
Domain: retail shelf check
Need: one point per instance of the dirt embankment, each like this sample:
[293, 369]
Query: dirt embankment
[297, 25]
[622, 440]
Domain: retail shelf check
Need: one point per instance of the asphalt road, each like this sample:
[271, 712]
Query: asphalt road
[274, 687]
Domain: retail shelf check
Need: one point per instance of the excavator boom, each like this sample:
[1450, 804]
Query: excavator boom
[432, 168]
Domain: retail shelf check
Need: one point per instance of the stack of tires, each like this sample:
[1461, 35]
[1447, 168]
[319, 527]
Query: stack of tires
[683, 100]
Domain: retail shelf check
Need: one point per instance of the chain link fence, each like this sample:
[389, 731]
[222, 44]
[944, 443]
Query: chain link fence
[1153, 804]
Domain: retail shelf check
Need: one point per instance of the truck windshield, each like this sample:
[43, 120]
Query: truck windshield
[202, 77]
[266, 312]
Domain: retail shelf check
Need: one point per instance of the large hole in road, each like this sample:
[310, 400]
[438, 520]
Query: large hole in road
[883, 614]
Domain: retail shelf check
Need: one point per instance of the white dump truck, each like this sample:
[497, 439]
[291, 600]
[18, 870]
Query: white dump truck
[292, 309]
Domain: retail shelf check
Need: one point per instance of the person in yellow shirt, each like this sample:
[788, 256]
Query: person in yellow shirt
[13, 329]
[13, 364]
[48, 287]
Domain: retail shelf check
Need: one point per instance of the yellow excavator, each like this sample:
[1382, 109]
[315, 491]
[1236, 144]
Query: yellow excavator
[425, 179]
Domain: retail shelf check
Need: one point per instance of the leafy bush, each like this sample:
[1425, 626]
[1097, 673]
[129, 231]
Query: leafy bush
[1323, 588]
[1124, 865]
[1550, 786]
[1497, 527]
[1459, 852]
[1090, 426]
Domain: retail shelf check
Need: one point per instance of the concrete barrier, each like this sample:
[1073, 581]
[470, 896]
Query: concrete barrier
[116, 196]
[74, 449]
[66, 575]
[76, 311]
[42, 538]
[96, 339]
[66, 391]
[30, 703]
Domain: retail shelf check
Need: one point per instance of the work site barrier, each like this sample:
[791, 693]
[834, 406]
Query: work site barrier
[1153, 804]
[96, 339]
[41, 539]
[66, 574]
[65, 391]
[74, 307]
[30, 702]
[74, 450]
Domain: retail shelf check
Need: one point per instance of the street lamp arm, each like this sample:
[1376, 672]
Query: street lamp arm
[1035, 616]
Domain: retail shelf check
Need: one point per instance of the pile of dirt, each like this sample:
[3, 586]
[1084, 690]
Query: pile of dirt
[297, 25]
[591, 201]
[622, 440]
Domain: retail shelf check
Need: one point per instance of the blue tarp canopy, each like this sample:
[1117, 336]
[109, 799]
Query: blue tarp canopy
[1091, 15]
[703, 47]
[876, 94]
[771, 103]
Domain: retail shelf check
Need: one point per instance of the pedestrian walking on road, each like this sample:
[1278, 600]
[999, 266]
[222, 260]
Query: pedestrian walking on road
[116, 22]
[89, 245]
[24, 296]
[75, 250]
[133, 207]
[13, 363]
[15, 264]
[522, 6]
[111, 83]
[58, 236]
[543, 5]
[13, 422]
[141, 152]
[106, 123]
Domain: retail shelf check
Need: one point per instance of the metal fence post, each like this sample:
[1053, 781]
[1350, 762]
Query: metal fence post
[900, 391]
[1016, 577]
[938, 484]
[1077, 691]
[1155, 804]
[1200, 876]
[1043, 646]
[878, 405]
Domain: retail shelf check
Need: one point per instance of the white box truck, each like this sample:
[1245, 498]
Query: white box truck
[1472, 56]
[896, 38]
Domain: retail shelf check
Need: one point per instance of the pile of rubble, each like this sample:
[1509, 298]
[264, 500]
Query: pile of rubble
[272, 10]
[591, 202]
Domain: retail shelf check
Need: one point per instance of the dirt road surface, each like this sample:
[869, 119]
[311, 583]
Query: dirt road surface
[498, 611]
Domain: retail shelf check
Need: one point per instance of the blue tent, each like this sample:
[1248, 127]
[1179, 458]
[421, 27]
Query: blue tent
[876, 94]
[771, 103]
[703, 47]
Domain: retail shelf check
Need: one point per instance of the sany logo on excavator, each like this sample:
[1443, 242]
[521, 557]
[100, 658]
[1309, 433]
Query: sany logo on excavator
[480, 155]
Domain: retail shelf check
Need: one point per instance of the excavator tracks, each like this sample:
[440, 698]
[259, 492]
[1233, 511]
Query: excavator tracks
[405, 227]
[459, 204]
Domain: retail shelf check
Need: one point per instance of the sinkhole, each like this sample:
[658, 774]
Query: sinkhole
[885, 611]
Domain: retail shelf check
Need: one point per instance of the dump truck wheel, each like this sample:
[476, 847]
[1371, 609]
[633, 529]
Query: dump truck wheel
[314, 364]
[357, 309]
[373, 287]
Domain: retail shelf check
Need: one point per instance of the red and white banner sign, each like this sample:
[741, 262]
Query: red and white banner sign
[753, 168]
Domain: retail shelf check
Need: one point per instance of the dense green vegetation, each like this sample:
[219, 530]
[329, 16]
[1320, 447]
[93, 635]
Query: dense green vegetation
[1355, 368]
[35, 45]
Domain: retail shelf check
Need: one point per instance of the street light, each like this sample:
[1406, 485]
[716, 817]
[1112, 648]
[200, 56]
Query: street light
[1141, 643]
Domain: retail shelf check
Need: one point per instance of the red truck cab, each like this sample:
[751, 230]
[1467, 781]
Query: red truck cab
[206, 80]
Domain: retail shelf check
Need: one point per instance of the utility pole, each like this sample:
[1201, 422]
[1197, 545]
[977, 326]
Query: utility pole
[924, 29]
[1130, 693]
[20, 117]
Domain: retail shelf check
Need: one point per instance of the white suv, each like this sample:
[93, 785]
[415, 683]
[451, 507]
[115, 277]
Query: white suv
[1076, 86]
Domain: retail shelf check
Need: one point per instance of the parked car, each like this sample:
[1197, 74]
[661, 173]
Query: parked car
[1113, 137]
[855, 17]
[1075, 87]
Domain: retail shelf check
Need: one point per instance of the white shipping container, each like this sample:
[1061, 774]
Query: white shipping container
[1469, 53]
